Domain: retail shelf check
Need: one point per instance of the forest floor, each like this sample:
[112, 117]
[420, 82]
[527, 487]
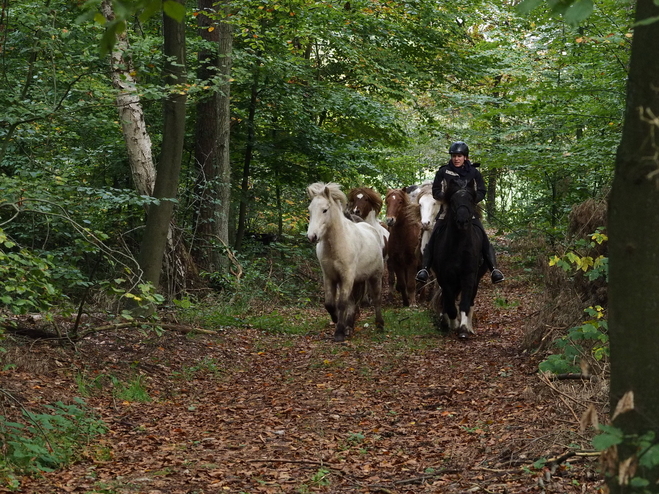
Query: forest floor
[410, 410]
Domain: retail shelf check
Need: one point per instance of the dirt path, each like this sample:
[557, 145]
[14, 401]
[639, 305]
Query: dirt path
[410, 411]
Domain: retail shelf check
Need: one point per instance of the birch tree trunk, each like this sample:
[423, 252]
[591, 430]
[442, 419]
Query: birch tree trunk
[131, 114]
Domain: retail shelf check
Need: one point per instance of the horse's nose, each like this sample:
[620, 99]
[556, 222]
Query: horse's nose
[425, 225]
[312, 237]
[390, 221]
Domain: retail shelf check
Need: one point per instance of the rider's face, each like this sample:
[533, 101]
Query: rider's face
[458, 160]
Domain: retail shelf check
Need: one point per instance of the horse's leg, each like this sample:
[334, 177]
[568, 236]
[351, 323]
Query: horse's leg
[469, 288]
[401, 285]
[359, 292]
[391, 273]
[450, 310]
[345, 307]
[375, 286]
[340, 331]
[330, 298]
[410, 281]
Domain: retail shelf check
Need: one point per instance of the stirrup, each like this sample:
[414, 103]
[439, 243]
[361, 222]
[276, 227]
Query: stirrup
[422, 275]
[497, 276]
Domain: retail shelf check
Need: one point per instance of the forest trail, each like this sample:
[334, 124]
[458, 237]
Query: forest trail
[249, 411]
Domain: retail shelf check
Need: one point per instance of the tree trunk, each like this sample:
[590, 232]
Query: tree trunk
[224, 122]
[153, 245]
[212, 143]
[634, 258]
[490, 200]
[249, 149]
[131, 114]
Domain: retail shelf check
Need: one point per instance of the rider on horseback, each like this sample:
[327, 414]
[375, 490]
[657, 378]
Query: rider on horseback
[458, 167]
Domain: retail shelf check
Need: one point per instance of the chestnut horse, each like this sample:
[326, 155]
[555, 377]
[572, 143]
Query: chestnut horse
[404, 257]
[350, 256]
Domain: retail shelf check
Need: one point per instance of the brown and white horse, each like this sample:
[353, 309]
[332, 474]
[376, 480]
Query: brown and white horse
[366, 203]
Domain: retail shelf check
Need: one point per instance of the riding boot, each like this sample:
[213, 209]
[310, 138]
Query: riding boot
[491, 261]
[424, 273]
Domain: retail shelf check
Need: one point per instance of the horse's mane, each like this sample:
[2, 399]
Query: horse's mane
[403, 194]
[336, 193]
[375, 198]
[424, 190]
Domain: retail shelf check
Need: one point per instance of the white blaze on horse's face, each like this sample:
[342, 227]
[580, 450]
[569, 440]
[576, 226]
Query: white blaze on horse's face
[428, 207]
[355, 210]
[390, 219]
[319, 215]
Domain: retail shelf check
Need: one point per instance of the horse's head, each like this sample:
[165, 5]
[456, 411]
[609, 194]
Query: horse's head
[327, 201]
[428, 207]
[363, 200]
[461, 197]
[396, 201]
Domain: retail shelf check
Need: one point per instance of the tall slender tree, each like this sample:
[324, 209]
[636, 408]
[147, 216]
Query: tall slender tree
[212, 131]
[154, 242]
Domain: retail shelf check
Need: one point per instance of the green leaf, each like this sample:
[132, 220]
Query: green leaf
[578, 11]
[149, 10]
[650, 458]
[639, 482]
[610, 437]
[527, 6]
[648, 21]
[174, 10]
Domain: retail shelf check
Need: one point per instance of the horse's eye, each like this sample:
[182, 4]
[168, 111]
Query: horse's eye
[325, 210]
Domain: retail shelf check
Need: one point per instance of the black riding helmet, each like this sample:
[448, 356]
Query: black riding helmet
[459, 148]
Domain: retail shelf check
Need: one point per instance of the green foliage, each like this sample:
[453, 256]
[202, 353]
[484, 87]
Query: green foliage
[206, 366]
[133, 391]
[594, 268]
[285, 273]
[46, 441]
[321, 477]
[645, 447]
[589, 339]
[28, 284]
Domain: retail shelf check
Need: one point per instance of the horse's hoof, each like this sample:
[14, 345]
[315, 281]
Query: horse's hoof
[339, 338]
[463, 335]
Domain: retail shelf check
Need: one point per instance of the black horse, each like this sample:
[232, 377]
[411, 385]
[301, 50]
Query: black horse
[457, 259]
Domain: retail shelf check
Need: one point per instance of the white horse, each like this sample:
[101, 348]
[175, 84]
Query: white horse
[429, 209]
[350, 256]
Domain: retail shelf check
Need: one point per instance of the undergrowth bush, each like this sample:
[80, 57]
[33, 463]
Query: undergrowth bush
[43, 442]
[284, 273]
[588, 342]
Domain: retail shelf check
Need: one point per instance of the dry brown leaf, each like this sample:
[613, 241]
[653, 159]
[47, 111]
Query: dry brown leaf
[626, 470]
[625, 404]
[589, 417]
